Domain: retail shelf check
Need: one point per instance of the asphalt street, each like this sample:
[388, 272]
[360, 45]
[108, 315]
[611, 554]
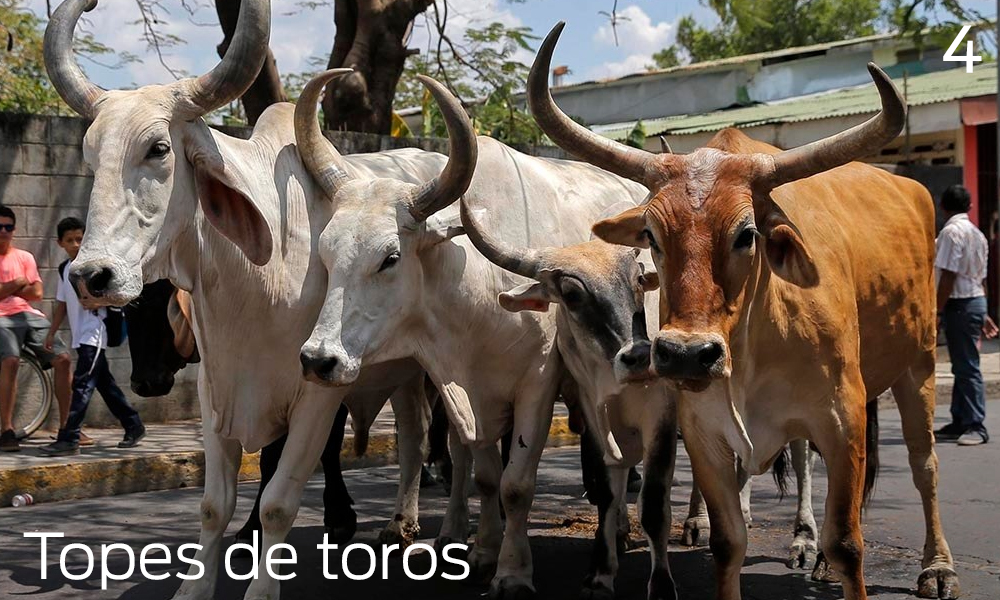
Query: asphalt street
[562, 523]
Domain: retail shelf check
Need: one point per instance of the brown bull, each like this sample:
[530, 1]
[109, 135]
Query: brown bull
[795, 287]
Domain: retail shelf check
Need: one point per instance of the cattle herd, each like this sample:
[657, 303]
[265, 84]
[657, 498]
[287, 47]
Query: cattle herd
[748, 296]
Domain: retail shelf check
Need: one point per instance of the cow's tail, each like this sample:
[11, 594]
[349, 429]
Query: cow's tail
[871, 451]
[780, 472]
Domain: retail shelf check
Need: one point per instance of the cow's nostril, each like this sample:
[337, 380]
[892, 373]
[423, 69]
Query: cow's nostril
[322, 366]
[98, 280]
[637, 356]
[709, 354]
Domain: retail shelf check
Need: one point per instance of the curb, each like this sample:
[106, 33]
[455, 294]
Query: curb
[111, 477]
[168, 471]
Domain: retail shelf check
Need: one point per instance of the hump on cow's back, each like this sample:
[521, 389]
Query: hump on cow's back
[734, 141]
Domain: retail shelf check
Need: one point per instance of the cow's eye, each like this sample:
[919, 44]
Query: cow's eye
[745, 239]
[158, 150]
[650, 240]
[389, 262]
[572, 293]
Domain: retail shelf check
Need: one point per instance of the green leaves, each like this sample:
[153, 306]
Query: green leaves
[483, 72]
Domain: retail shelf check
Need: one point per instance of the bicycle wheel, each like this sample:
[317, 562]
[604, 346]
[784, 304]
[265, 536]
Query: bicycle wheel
[34, 397]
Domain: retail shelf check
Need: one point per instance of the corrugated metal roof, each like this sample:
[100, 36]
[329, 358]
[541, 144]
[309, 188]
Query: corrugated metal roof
[929, 88]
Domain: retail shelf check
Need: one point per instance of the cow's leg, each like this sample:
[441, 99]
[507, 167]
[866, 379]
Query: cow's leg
[914, 394]
[841, 440]
[339, 518]
[532, 417]
[659, 457]
[222, 468]
[712, 462]
[308, 429]
[697, 528]
[607, 492]
[268, 462]
[803, 551]
[745, 481]
[413, 416]
[485, 553]
[455, 528]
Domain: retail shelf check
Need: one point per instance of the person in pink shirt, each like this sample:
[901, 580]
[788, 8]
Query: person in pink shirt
[21, 325]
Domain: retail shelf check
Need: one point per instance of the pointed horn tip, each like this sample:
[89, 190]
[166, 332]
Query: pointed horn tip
[90, 5]
[329, 74]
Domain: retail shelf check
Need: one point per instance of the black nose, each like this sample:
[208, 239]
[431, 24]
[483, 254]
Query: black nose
[151, 388]
[95, 278]
[637, 357]
[322, 366]
[686, 361]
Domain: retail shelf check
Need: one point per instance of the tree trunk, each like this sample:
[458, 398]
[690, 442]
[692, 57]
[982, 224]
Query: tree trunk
[266, 89]
[370, 39]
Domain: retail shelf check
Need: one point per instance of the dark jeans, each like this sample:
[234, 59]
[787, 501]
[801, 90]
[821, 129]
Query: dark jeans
[963, 323]
[85, 381]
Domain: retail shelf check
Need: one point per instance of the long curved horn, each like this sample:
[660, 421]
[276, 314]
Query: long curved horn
[462, 155]
[857, 142]
[632, 163]
[665, 146]
[319, 155]
[67, 77]
[241, 64]
[523, 261]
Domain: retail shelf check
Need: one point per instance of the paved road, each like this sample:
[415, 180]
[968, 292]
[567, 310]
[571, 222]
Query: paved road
[561, 524]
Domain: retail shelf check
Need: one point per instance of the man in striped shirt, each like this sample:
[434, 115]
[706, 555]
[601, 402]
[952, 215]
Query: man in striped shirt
[961, 299]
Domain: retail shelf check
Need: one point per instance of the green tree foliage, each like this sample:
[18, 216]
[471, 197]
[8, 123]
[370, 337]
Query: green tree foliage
[749, 26]
[24, 84]
[483, 72]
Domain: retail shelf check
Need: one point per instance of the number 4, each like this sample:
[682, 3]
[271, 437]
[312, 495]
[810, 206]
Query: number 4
[968, 58]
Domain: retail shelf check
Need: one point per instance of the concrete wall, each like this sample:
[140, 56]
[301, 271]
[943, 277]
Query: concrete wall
[43, 179]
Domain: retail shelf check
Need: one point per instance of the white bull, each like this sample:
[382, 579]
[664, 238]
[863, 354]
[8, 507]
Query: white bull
[235, 222]
[402, 286]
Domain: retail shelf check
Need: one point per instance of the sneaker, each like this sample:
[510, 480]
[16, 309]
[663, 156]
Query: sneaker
[974, 437]
[85, 440]
[133, 437]
[61, 448]
[8, 442]
[949, 433]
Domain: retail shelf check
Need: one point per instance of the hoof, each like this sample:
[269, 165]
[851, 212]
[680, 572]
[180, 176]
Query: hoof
[802, 554]
[596, 590]
[399, 531]
[938, 582]
[482, 567]
[511, 588]
[824, 571]
[696, 532]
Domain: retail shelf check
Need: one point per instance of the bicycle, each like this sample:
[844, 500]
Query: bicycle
[33, 396]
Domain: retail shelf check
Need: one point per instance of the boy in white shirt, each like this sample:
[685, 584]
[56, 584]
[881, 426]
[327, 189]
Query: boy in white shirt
[90, 340]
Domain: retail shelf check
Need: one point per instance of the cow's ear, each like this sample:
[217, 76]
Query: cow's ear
[786, 252]
[529, 296]
[439, 229]
[625, 229]
[226, 201]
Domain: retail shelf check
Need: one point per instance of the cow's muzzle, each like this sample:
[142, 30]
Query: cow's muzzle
[104, 282]
[689, 357]
[326, 369]
[153, 387]
[632, 362]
